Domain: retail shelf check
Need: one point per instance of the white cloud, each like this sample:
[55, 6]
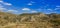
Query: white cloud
[33, 2]
[29, 3]
[26, 9]
[58, 6]
[1, 1]
[2, 8]
[5, 3]
[49, 9]
[33, 11]
[9, 4]
[12, 11]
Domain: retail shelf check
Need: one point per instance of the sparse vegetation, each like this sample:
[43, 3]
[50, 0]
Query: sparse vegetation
[26, 20]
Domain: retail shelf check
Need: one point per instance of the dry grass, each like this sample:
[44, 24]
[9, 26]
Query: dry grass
[36, 20]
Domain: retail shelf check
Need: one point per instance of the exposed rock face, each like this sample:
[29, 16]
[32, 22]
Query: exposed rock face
[36, 17]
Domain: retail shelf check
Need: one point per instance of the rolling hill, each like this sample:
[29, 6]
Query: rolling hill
[29, 20]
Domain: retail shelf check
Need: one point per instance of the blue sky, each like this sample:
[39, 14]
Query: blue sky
[30, 6]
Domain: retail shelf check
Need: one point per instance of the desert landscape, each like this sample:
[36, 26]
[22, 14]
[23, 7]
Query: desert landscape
[29, 20]
[29, 13]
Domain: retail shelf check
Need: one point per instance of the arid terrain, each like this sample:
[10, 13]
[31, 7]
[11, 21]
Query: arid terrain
[29, 20]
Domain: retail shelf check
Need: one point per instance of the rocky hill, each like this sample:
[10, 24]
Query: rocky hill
[29, 20]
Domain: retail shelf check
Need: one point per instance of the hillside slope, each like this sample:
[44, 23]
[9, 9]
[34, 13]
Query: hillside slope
[26, 20]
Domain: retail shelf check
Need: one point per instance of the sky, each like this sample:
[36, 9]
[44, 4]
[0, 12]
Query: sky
[30, 6]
